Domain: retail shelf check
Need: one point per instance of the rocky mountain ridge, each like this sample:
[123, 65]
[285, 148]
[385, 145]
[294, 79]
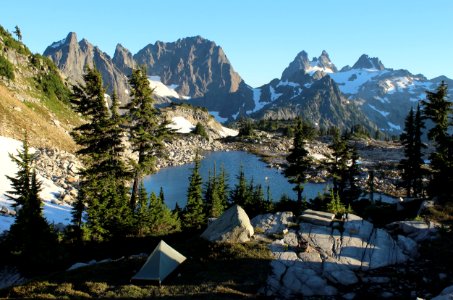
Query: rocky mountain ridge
[200, 73]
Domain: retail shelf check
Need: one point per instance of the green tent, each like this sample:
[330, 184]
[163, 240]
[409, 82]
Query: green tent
[160, 263]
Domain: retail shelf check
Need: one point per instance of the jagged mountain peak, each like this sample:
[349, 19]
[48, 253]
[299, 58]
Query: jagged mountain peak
[72, 57]
[302, 63]
[366, 62]
[324, 61]
[123, 59]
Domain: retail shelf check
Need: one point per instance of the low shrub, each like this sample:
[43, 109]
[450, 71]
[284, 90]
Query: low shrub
[6, 68]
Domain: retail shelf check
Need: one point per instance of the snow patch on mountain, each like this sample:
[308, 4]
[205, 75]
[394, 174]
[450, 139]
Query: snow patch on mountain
[181, 125]
[256, 98]
[288, 83]
[382, 100]
[58, 44]
[394, 126]
[383, 113]
[274, 95]
[50, 192]
[350, 81]
[296, 92]
[228, 132]
[313, 68]
[161, 89]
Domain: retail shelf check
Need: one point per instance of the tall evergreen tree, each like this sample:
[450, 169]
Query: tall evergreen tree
[193, 214]
[411, 165]
[142, 211]
[240, 193]
[419, 125]
[146, 130]
[341, 155]
[30, 236]
[406, 164]
[222, 187]
[103, 178]
[438, 109]
[298, 162]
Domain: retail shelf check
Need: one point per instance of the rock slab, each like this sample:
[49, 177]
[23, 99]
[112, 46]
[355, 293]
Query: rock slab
[233, 226]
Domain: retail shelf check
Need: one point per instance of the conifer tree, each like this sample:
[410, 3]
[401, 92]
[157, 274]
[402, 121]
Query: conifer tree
[18, 33]
[438, 109]
[103, 178]
[222, 187]
[163, 220]
[407, 139]
[143, 215]
[411, 165]
[298, 162]
[339, 162]
[353, 173]
[146, 129]
[419, 125]
[240, 193]
[30, 236]
[193, 214]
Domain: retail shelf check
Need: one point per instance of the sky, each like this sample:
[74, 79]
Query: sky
[259, 37]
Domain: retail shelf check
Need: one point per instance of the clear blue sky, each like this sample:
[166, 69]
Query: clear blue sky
[260, 37]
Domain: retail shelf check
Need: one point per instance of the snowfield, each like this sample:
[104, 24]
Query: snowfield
[350, 81]
[182, 125]
[161, 89]
[50, 192]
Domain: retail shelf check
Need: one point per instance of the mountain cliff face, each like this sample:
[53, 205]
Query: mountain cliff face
[123, 60]
[72, 57]
[195, 64]
[198, 69]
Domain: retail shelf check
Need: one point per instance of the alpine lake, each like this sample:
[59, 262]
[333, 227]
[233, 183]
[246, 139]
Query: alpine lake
[175, 180]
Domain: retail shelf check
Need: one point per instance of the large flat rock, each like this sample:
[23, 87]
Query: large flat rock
[317, 217]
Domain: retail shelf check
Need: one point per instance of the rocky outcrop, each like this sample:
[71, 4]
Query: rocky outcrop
[415, 230]
[233, 226]
[321, 256]
[62, 168]
[277, 223]
[446, 294]
[182, 150]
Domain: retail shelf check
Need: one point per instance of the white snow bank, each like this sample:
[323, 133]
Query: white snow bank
[161, 89]
[350, 81]
[393, 126]
[256, 98]
[53, 213]
[228, 132]
[181, 125]
[383, 113]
